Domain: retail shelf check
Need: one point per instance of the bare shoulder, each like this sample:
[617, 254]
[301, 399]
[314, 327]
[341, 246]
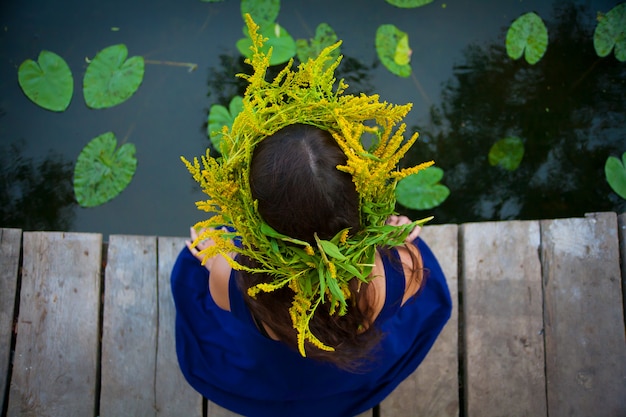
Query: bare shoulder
[219, 282]
[413, 269]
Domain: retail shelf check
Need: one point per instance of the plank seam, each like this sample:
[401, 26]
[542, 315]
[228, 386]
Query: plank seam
[461, 351]
[621, 238]
[158, 328]
[16, 313]
[542, 270]
[103, 263]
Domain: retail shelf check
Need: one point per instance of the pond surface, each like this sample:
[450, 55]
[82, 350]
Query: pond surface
[569, 109]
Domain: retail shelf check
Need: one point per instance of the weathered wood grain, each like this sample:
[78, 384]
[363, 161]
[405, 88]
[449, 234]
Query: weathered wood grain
[502, 299]
[174, 396]
[10, 247]
[55, 367]
[432, 390]
[129, 334]
[585, 345]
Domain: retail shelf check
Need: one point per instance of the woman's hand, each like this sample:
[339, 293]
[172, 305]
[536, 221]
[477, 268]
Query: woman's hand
[399, 221]
[203, 244]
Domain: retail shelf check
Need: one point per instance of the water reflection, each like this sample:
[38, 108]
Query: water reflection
[569, 109]
[35, 195]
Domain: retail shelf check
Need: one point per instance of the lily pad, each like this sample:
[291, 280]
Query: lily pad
[47, 82]
[422, 191]
[611, 32]
[527, 36]
[409, 4]
[263, 12]
[324, 36]
[110, 78]
[507, 153]
[615, 172]
[282, 44]
[392, 46]
[220, 116]
[101, 171]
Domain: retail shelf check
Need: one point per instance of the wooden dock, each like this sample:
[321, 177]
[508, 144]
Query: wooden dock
[86, 327]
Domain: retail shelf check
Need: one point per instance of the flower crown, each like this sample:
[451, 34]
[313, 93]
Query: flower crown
[317, 273]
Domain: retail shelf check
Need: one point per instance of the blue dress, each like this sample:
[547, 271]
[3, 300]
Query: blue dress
[225, 358]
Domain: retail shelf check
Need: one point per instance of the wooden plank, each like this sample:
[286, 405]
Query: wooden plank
[56, 355]
[502, 303]
[433, 389]
[10, 246]
[129, 336]
[174, 396]
[585, 344]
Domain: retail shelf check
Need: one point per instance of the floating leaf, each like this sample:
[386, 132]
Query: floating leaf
[220, 116]
[507, 153]
[392, 46]
[422, 191]
[324, 36]
[101, 171]
[409, 4]
[110, 78]
[611, 32]
[527, 35]
[47, 82]
[615, 172]
[263, 12]
[282, 44]
[403, 52]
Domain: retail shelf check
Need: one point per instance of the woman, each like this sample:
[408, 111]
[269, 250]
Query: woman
[310, 303]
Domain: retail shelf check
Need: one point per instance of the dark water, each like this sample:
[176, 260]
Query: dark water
[569, 108]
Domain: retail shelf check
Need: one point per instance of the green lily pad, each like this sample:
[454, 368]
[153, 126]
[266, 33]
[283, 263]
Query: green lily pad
[47, 82]
[409, 4]
[392, 46]
[422, 191]
[110, 78]
[220, 116]
[101, 171]
[611, 32]
[324, 36]
[507, 153]
[527, 35]
[615, 172]
[263, 12]
[282, 44]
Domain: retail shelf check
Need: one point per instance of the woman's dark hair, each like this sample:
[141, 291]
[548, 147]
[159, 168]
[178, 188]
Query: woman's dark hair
[300, 192]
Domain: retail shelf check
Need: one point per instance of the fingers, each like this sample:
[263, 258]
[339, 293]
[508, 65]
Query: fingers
[395, 220]
[414, 234]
